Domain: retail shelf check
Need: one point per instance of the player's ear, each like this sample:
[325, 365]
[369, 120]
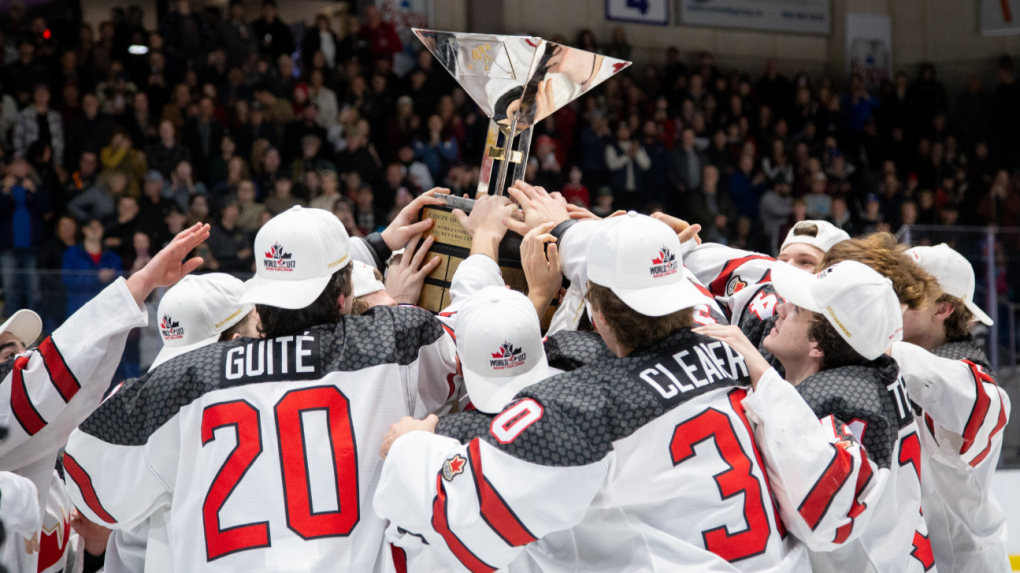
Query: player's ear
[945, 310]
[815, 352]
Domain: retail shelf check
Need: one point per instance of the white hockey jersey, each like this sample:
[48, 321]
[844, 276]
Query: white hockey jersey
[961, 412]
[618, 452]
[858, 508]
[263, 454]
[45, 394]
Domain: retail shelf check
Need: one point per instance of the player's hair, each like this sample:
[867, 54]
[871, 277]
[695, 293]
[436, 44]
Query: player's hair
[913, 285]
[282, 321]
[957, 324]
[836, 352]
[229, 333]
[632, 328]
[359, 306]
[805, 230]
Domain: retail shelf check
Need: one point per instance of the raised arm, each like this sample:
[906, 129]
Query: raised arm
[51, 389]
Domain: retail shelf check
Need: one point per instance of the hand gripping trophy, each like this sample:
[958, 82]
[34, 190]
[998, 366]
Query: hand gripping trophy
[517, 81]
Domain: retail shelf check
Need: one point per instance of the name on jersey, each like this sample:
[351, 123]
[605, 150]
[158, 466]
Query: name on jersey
[293, 357]
[698, 368]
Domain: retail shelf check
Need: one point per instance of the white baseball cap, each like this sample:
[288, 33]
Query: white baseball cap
[859, 303]
[823, 240]
[364, 280]
[638, 258]
[196, 311]
[954, 273]
[296, 253]
[499, 343]
[25, 325]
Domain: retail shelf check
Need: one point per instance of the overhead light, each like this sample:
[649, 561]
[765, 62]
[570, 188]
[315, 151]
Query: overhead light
[138, 50]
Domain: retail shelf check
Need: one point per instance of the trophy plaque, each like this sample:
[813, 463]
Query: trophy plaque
[517, 81]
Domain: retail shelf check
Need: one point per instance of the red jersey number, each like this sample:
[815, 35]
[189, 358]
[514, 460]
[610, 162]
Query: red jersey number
[244, 418]
[715, 425]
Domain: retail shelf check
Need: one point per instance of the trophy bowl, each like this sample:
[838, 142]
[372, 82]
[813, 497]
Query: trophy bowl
[517, 81]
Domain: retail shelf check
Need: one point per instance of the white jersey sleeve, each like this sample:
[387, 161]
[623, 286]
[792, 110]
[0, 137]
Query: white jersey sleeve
[573, 248]
[49, 390]
[960, 397]
[434, 487]
[473, 274]
[825, 484]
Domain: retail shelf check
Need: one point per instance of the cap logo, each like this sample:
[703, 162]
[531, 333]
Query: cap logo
[507, 357]
[170, 328]
[825, 272]
[278, 260]
[734, 285]
[663, 265]
[453, 467]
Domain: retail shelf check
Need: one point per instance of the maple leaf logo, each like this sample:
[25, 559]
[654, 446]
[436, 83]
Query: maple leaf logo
[453, 467]
[276, 252]
[619, 66]
[665, 257]
[506, 351]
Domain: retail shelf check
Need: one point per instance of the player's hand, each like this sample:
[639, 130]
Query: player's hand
[406, 273]
[581, 214]
[734, 337]
[544, 275]
[166, 267]
[487, 216]
[406, 224]
[406, 425]
[684, 230]
[538, 206]
[95, 535]
[32, 545]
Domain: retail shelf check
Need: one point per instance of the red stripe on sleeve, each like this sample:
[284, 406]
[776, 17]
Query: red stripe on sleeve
[988, 447]
[858, 507]
[84, 482]
[60, 374]
[718, 286]
[21, 404]
[817, 502]
[495, 511]
[737, 402]
[981, 404]
[399, 558]
[442, 526]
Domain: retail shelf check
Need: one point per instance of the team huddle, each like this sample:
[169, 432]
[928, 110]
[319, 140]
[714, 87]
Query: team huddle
[691, 407]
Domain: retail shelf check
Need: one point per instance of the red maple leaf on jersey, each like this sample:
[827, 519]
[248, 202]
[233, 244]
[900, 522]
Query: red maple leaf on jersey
[453, 466]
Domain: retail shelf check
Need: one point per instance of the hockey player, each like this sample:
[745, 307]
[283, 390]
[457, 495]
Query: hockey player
[262, 453]
[958, 405]
[849, 487]
[739, 280]
[49, 390]
[19, 332]
[616, 450]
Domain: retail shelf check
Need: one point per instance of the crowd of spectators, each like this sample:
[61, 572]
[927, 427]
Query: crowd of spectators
[112, 144]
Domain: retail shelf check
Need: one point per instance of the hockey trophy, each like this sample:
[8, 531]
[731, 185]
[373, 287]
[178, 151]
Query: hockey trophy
[517, 81]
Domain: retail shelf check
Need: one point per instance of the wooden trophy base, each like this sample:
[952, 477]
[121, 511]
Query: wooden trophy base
[452, 245]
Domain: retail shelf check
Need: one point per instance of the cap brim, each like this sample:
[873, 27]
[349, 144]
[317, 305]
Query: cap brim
[980, 314]
[664, 299]
[491, 395]
[794, 285]
[284, 294]
[169, 352]
[25, 325]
